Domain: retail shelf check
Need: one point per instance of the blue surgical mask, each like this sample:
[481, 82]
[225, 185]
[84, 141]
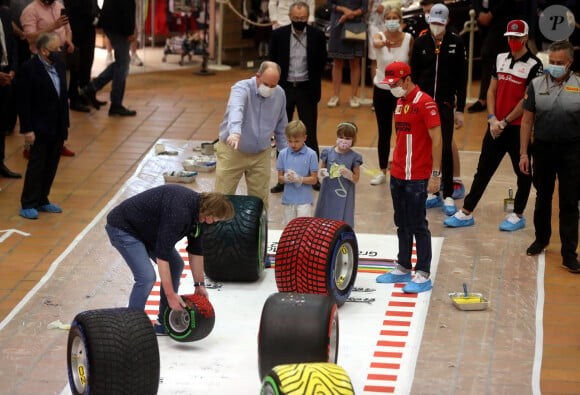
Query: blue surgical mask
[392, 25]
[556, 70]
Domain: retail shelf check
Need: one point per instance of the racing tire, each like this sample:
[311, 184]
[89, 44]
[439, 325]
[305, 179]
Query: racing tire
[236, 249]
[194, 323]
[319, 256]
[296, 328]
[112, 352]
[307, 379]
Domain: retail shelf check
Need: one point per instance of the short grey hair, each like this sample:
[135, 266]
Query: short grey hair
[298, 4]
[265, 65]
[43, 40]
[563, 45]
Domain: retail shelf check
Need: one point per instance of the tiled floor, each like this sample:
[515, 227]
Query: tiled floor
[488, 352]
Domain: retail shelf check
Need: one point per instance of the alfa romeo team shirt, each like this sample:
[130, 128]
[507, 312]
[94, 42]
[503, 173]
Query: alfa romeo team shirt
[415, 114]
[513, 76]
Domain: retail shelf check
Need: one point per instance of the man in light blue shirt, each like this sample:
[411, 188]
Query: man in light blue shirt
[256, 109]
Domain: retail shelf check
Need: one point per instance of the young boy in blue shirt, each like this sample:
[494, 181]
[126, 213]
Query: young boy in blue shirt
[297, 168]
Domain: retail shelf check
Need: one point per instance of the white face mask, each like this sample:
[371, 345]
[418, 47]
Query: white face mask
[392, 25]
[343, 143]
[265, 91]
[398, 91]
[436, 30]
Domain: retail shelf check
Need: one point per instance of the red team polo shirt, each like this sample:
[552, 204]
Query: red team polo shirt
[415, 114]
[513, 78]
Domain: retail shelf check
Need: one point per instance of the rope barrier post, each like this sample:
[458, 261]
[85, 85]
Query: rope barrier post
[471, 27]
[363, 77]
[152, 24]
[219, 66]
[204, 70]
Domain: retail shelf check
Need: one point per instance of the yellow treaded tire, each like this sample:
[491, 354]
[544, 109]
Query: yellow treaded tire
[319, 378]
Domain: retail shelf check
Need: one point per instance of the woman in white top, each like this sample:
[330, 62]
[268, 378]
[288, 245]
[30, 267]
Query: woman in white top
[391, 45]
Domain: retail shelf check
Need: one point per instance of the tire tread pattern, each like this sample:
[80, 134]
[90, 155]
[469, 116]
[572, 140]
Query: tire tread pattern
[311, 378]
[122, 351]
[235, 250]
[304, 257]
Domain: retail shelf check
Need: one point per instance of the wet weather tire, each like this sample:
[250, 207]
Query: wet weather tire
[112, 351]
[194, 323]
[307, 379]
[317, 255]
[235, 250]
[296, 328]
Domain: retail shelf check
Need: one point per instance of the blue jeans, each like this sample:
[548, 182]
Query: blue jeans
[139, 260]
[116, 71]
[411, 221]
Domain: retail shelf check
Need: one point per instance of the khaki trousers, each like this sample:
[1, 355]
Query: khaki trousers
[232, 165]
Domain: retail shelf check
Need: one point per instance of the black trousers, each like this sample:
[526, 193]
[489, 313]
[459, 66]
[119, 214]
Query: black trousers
[562, 161]
[40, 173]
[80, 72]
[384, 103]
[447, 126]
[7, 113]
[299, 97]
[492, 153]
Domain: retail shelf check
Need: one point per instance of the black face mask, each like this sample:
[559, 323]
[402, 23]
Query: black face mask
[299, 26]
[54, 56]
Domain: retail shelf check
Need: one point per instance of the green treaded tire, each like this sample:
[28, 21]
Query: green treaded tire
[307, 379]
[296, 328]
[192, 324]
[235, 250]
[319, 256]
[112, 352]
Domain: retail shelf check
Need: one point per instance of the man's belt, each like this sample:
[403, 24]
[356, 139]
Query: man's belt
[296, 84]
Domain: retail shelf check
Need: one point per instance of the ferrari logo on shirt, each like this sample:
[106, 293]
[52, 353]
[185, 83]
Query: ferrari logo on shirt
[573, 89]
[398, 108]
[406, 109]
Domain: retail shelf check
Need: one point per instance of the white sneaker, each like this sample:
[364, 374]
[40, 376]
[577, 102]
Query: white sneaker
[110, 58]
[136, 60]
[333, 102]
[354, 102]
[381, 178]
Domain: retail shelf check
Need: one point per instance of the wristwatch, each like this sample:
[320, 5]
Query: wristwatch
[435, 173]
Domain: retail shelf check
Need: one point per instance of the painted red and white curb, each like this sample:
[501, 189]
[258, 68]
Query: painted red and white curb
[388, 332]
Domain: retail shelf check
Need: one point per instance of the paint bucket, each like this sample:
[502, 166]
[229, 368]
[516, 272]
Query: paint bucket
[207, 148]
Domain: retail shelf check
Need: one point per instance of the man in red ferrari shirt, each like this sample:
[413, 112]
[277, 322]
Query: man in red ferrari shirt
[414, 172]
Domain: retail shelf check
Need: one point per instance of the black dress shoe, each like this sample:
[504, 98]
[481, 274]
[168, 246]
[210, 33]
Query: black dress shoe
[535, 248]
[120, 111]
[76, 106]
[277, 188]
[7, 173]
[89, 94]
[477, 107]
[316, 186]
[573, 266]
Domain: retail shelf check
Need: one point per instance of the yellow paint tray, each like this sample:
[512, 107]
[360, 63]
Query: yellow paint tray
[473, 301]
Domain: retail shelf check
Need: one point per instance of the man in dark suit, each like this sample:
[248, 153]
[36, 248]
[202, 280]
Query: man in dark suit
[44, 122]
[300, 50]
[8, 58]
[118, 23]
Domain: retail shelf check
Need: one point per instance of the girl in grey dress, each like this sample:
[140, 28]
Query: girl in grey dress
[345, 11]
[338, 174]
